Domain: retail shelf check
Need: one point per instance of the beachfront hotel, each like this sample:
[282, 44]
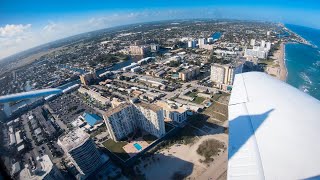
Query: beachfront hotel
[127, 117]
[82, 151]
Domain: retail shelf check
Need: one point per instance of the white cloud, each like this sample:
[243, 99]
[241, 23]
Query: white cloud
[51, 27]
[11, 30]
[16, 38]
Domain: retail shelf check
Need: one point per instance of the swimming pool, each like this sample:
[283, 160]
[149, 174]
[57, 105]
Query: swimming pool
[137, 146]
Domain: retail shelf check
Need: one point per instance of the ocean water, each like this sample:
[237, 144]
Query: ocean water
[303, 61]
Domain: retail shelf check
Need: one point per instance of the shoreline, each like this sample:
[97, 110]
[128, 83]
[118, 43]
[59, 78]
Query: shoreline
[282, 63]
[278, 67]
[301, 40]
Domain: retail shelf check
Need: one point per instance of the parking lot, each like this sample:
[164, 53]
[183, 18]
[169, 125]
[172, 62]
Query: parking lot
[68, 107]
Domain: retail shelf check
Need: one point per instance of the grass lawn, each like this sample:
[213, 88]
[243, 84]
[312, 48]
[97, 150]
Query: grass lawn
[116, 148]
[223, 98]
[98, 131]
[149, 138]
[192, 94]
[218, 116]
[219, 108]
[198, 100]
[267, 62]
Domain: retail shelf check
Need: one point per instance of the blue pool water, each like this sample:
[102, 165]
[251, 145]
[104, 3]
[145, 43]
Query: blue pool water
[209, 104]
[137, 146]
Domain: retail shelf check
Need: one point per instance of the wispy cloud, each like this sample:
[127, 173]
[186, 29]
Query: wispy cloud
[51, 27]
[11, 30]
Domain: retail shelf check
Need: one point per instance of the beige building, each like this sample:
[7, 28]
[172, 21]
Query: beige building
[95, 95]
[116, 102]
[81, 150]
[189, 74]
[224, 74]
[88, 78]
[138, 50]
[217, 73]
[207, 46]
[172, 112]
[127, 117]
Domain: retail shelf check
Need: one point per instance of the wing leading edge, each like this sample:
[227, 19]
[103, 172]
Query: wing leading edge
[273, 130]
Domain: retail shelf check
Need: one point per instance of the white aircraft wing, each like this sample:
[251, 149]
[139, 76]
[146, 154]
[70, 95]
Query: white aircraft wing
[274, 130]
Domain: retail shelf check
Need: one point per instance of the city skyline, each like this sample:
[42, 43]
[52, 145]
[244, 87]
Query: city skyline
[172, 99]
[28, 24]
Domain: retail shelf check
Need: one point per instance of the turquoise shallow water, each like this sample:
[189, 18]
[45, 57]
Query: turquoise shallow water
[303, 61]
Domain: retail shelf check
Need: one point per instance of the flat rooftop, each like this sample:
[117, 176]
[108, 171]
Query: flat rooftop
[46, 166]
[117, 109]
[151, 107]
[74, 139]
[170, 107]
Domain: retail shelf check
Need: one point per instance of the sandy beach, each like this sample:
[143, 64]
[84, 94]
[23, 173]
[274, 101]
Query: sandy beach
[283, 68]
[278, 68]
[184, 159]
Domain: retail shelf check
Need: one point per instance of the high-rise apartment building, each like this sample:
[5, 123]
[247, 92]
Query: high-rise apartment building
[268, 46]
[189, 74]
[217, 73]
[88, 78]
[138, 50]
[154, 47]
[120, 121]
[202, 41]
[263, 44]
[252, 42]
[81, 150]
[150, 118]
[224, 74]
[257, 51]
[127, 117]
[191, 44]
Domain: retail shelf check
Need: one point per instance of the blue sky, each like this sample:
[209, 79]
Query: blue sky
[35, 22]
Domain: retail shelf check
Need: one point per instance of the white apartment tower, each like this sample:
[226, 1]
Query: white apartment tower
[191, 44]
[127, 117]
[268, 46]
[120, 121]
[81, 150]
[202, 41]
[252, 42]
[263, 44]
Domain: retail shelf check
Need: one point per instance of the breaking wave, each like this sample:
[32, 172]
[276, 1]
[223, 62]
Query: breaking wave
[305, 78]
